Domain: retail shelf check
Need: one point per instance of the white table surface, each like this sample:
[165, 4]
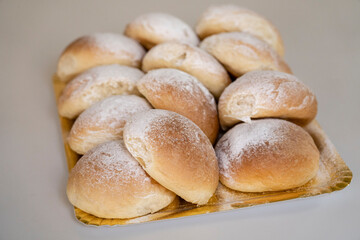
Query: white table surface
[322, 40]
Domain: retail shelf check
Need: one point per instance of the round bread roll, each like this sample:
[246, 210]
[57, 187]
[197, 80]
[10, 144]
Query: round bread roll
[108, 182]
[192, 60]
[266, 155]
[104, 121]
[231, 18]
[261, 94]
[96, 84]
[175, 152]
[98, 49]
[177, 91]
[154, 28]
[241, 52]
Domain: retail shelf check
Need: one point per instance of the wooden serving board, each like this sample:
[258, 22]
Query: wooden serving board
[333, 175]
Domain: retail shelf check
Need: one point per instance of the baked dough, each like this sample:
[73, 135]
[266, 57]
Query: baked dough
[108, 182]
[192, 60]
[177, 91]
[96, 84]
[261, 94]
[241, 52]
[175, 152]
[232, 18]
[98, 49]
[154, 28]
[266, 155]
[104, 121]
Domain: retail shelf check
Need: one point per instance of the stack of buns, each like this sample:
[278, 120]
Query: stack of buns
[170, 121]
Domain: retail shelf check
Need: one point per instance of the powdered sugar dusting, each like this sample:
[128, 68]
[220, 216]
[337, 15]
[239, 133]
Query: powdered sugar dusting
[241, 52]
[247, 42]
[247, 137]
[104, 121]
[266, 75]
[168, 136]
[142, 123]
[161, 79]
[95, 84]
[201, 60]
[231, 18]
[184, 57]
[117, 44]
[162, 122]
[113, 110]
[167, 28]
[107, 74]
[116, 164]
[272, 90]
[190, 59]
[224, 11]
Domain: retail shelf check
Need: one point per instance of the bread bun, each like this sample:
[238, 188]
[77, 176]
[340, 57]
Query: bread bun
[98, 49]
[192, 60]
[96, 84]
[241, 52]
[231, 18]
[261, 94]
[177, 91]
[108, 182]
[266, 155]
[154, 28]
[175, 152]
[104, 121]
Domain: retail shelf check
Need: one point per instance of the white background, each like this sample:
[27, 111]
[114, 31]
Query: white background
[322, 40]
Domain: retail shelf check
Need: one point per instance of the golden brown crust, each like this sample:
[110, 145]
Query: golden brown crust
[104, 121]
[96, 84]
[266, 155]
[98, 49]
[175, 152]
[261, 94]
[241, 52]
[177, 91]
[155, 28]
[192, 60]
[231, 18]
[108, 182]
